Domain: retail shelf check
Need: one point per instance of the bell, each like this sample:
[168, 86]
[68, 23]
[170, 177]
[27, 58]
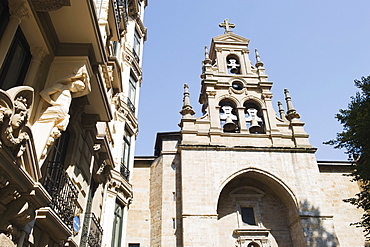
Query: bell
[229, 125]
[255, 127]
[234, 70]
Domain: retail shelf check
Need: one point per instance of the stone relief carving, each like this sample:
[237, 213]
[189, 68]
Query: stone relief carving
[15, 107]
[49, 5]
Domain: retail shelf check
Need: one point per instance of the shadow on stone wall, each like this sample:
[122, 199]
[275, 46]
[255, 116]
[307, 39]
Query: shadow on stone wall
[318, 229]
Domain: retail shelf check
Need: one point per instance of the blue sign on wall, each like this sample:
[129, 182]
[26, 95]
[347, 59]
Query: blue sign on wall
[76, 223]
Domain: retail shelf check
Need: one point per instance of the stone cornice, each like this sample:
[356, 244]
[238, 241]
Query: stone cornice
[247, 148]
[49, 5]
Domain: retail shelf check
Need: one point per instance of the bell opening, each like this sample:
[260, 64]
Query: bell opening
[228, 117]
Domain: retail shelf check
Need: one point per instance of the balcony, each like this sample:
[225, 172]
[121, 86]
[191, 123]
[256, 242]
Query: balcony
[62, 191]
[125, 172]
[122, 4]
[117, 13]
[95, 232]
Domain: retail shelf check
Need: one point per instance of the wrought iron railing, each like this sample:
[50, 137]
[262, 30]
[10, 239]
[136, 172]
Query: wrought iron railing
[136, 56]
[95, 232]
[62, 191]
[131, 105]
[125, 172]
[117, 13]
[123, 6]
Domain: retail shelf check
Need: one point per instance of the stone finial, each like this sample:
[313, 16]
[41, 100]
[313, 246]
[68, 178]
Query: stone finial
[207, 60]
[259, 63]
[187, 110]
[281, 110]
[291, 113]
[227, 26]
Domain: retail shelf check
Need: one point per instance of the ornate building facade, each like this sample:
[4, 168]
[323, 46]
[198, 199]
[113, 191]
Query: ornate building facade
[240, 175]
[70, 74]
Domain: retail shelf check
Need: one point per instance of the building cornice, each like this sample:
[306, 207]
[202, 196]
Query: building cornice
[246, 148]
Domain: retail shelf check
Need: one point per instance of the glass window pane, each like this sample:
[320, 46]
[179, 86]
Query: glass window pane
[248, 216]
[117, 226]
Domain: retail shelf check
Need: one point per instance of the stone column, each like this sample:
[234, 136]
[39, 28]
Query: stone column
[38, 54]
[19, 12]
[242, 121]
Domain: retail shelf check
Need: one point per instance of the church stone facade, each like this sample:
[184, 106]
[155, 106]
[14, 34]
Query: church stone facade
[240, 175]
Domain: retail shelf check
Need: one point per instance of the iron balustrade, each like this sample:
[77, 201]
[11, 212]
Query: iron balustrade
[136, 56]
[62, 191]
[131, 105]
[123, 6]
[95, 232]
[117, 13]
[125, 172]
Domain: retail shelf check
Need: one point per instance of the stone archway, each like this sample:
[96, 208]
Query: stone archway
[255, 208]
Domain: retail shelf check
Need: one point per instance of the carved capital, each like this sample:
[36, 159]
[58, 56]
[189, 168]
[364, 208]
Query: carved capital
[38, 53]
[245, 51]
[267, 96]
[218, 49]
[211, 94]
[20, 9]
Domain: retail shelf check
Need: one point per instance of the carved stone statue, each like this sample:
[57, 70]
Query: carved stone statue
[54, 116]
[59, 96]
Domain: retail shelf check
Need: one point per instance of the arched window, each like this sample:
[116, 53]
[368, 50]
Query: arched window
[228, 117]
[233, 64]
[253, 244]
[254, 118]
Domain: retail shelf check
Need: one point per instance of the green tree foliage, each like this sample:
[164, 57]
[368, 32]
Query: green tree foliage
[355, 138]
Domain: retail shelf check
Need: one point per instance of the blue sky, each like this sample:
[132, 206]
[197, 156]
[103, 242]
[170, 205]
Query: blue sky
[314, 48]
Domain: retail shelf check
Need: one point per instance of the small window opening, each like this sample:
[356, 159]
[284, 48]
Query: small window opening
[233, 65]
[14, 70]
[248, 216]
[253, 245]
[237, 85]
[133, 245]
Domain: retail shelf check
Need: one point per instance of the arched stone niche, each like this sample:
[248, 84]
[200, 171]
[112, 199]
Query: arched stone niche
[271, 204]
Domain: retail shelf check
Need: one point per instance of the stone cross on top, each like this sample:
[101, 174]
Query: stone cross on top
[227, 25]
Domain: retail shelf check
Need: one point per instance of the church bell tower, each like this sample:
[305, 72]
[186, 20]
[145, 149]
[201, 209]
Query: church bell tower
[236, 101]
